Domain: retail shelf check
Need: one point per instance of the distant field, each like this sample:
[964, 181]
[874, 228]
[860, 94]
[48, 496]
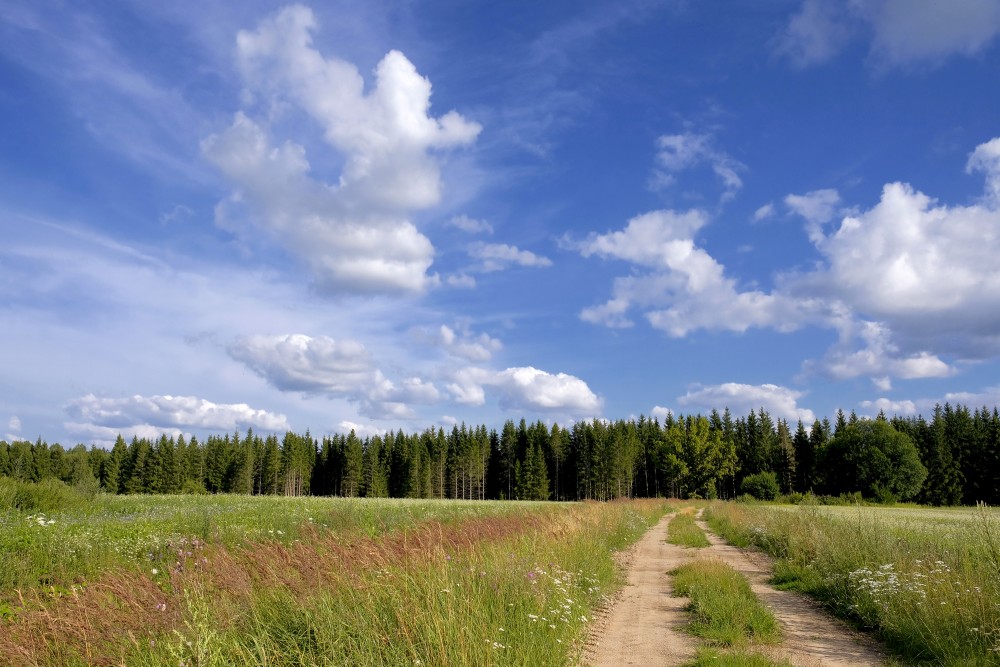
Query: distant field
[221, 580]
[927, 581]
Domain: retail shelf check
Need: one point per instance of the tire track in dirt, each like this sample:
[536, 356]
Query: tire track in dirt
[810, 636]
[645, 625]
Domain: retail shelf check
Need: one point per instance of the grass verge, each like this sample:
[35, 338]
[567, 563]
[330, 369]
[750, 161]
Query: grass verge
[683, 531]
[925, 581]
[713, 657]
[724, 609]
[517, 589]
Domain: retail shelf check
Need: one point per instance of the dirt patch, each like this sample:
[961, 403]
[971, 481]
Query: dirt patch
[645, 624]
[811, 636]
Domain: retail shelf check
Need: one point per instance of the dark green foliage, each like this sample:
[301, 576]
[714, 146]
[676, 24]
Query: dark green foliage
[761, 485]
[953, 458]
[874, 458]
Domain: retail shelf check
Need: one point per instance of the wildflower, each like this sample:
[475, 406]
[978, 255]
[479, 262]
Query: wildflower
[155, 571]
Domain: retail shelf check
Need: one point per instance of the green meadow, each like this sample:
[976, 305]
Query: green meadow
[238, 580]
[925, 581]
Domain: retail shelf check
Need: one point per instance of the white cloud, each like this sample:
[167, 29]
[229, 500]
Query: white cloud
[470, 225]
[902, 408]
[526, 388]
[986, 158]
[988, 397]
[360, 430]
[903, 32]
[355, 235]
[878, 357]
[904, 284]
[660, 412]
[466, 345]
[467, 385]
[814, 35]
[533, 389]
[817, 207]
[339, 369]
[926, 271]
[764, 212]
[779, 401]
[460, 281]
[911, 31]
[14, 424]
[680, 152]
[498, 256]
[167, 414]
[686, 288]
[296, 362]
[105, 436]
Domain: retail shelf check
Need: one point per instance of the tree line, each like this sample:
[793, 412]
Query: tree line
[950, 459]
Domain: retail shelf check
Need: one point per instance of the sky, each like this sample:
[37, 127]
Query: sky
[394, 215]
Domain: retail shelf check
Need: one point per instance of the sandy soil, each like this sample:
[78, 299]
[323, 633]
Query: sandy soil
[645, 624]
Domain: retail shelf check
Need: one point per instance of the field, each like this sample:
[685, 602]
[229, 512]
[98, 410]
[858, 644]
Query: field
[229, 580]
[925, 581]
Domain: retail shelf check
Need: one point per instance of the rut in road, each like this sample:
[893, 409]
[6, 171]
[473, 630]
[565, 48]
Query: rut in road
[646, 625]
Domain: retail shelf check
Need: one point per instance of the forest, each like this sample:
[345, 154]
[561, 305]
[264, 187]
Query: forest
[953, 458]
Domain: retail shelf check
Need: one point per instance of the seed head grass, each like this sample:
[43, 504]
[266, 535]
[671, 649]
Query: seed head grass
[924, 581]
[465, 586]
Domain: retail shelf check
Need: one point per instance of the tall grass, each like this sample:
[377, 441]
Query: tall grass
[927, 582]
[724, 609]
[60, 538]
[683, 531]
[513, 588]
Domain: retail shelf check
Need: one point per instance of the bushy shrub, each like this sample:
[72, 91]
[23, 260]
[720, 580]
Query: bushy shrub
[49, 495]
[763, 486]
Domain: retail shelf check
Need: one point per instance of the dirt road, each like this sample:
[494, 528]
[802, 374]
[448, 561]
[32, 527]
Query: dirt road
[645, 625]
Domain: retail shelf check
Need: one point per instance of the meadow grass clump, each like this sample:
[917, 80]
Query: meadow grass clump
[472, 586]
[57, 537]
[713, 657]
[925, 581]
[724, 609]
[683, 531]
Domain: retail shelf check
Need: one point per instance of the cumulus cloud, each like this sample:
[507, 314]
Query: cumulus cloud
[685, 288]
[499, 256]
[904, 284]
[533, 389]
[470, 225]
[13, 429]
[680, 152]
[817, 207]
[660, 412]
[355, 235]
[526, 388]
[779, 401]
[990, 396]
[339, 369]
[360, 430]
[986, 158]
[102, 418]
[466, 345]
[926, 271]
[903, 32]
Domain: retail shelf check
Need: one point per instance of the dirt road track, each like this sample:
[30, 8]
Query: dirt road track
[645, 625]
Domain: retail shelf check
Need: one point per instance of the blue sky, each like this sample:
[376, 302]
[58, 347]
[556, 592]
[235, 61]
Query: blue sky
[394, 215]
